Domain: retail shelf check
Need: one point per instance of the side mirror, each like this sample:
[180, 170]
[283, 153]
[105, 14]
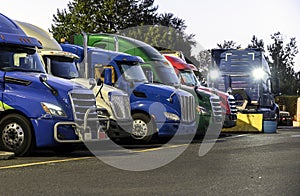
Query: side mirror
[92, 83]
[99, 82]
[43, 78]
[108, 76]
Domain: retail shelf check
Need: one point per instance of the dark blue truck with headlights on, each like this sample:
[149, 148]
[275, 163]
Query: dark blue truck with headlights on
[246, 74]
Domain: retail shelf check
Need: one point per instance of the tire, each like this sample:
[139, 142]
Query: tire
[143, 128]
[16, 135]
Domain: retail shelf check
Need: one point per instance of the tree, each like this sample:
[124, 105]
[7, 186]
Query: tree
[205, 60]
[109, 16]
[229, 45]
[162, 38]
[255, 43]
[282, 63]
[168, 19]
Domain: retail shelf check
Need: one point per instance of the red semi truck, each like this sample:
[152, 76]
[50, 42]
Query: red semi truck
[187, 77]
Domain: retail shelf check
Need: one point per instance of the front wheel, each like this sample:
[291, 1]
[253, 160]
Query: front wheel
[16, 135]
[143, 127]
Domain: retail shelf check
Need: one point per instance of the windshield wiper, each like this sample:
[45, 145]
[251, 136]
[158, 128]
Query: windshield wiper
[157, 82]
[140, 80]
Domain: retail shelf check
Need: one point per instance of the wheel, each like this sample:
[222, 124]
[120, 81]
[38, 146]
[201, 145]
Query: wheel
[16, 135]
[143, 128]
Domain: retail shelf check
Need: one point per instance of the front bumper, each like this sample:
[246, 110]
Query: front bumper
[120, 129]
[51, 131]
[230, 120]
[169, 129]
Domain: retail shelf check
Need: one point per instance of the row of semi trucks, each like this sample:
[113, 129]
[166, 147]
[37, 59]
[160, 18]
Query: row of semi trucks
[56, 95]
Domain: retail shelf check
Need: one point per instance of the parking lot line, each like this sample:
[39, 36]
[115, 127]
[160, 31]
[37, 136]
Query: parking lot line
[45, 162]
[160, 148]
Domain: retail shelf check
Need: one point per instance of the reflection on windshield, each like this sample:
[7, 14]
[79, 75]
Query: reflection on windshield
[167, 75]
[133, 72]
[188, 78]
[64, 69]
[20, 59]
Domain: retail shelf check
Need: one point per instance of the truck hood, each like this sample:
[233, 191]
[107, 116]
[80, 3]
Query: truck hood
[33, 80]
[158, 90]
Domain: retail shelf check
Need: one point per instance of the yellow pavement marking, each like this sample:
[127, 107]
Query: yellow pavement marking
[83, 158]
[44, 162]
[160, 148]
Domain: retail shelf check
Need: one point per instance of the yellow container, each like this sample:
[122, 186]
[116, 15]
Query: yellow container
[247, 123]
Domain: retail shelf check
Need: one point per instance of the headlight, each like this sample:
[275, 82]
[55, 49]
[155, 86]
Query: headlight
[258, 73]
[214, 74]
[171, 116]
[201, 110]
[53, 109]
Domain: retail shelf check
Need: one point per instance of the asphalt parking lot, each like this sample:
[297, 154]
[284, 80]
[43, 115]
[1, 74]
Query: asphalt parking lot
[237, 164]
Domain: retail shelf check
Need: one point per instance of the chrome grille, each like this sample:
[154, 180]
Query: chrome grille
[121, 107]
[216, 107]
[83, 100]
[187, 104]
[232, 105]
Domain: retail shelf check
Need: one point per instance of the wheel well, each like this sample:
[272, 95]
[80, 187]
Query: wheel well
[140, 111]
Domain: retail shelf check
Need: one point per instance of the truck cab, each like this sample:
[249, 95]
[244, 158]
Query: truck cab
[157, 110]
[36, 109]
[246, 74]
[64, 65]
[186, 75]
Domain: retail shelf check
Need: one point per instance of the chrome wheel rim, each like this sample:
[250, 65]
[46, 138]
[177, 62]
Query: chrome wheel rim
[13, 136]
[140, 129]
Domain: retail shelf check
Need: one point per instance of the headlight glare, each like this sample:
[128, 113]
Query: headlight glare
[258, 74]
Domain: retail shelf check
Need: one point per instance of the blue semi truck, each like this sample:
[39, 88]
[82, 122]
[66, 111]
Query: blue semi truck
[208, 110]
[245, 74]
[157, 110]
[38, 110]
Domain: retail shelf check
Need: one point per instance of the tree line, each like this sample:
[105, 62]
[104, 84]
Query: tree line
[140, 19]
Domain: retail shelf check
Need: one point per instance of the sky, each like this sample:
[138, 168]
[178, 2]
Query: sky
[212, 21]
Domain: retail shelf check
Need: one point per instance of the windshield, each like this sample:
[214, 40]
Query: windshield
[132, 71]
[188, 78]
[167, 75]
[63, 67]
[20, 59]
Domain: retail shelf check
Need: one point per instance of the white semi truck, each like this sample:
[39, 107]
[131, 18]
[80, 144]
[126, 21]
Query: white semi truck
[63, 64]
